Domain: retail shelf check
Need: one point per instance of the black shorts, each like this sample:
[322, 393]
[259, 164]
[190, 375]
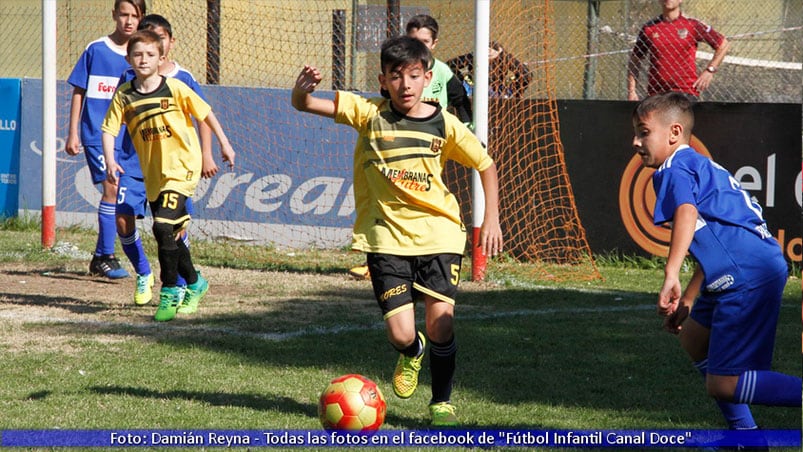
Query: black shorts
[171, 208]
[400, 280]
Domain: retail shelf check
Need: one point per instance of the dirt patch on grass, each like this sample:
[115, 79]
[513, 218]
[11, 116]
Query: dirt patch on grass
[47, 308]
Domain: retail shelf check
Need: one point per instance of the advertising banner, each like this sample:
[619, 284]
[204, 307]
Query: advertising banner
[758, 143]
[275, 185]
[9, 146]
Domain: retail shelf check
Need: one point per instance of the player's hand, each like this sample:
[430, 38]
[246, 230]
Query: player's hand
[112, 170]
[73, 145]
[490, 238]
[673, 322]
[703, 81]
[227, 154]
[669, 296]
[308, 79]
[208, 168]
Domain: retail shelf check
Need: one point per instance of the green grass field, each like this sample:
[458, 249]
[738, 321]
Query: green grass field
[278, 325]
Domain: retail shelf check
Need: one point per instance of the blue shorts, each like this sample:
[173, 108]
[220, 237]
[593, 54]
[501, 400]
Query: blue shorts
[96, 162]
[742, 324]
[131, 198]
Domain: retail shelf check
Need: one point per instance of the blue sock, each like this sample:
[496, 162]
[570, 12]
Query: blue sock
[765, 387]
[737, 415]
[132, 247]
[181, 282]
[107, 229]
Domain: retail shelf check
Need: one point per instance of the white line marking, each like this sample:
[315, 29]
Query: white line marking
[321, 331]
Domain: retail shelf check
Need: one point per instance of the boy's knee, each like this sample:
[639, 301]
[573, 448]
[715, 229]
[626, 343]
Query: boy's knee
[721, 388]
[126, 225]
[164, 235]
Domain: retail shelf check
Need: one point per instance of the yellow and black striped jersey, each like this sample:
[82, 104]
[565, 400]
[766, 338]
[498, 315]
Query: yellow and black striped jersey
[403, 206]
[161, 128]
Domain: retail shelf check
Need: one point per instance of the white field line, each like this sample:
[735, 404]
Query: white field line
[320, 331]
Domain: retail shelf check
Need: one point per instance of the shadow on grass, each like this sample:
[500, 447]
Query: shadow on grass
[559, 348]
[74, 305]
[251, 401]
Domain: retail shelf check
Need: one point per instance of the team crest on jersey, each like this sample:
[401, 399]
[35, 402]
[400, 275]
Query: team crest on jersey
[683, 33]
[436, 145]
[165, 104]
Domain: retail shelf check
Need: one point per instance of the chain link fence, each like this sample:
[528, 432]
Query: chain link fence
[590, 47]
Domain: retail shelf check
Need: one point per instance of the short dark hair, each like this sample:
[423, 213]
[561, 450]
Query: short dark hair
[152, 21]
[423, 21]
[673, 105]
[139, 5]
[147, 37]
[403, 50]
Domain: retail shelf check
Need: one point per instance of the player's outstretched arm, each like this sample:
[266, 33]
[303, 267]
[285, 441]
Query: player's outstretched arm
[683, 223]
[302, 98]
[112, 168]
[490, 233]
[225, 147]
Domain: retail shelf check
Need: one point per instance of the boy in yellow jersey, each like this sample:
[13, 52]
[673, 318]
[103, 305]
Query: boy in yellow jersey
[407, 221]
[444, 88]
[158, 114]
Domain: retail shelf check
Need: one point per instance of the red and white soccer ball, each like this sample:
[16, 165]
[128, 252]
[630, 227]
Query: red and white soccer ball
[352, 402]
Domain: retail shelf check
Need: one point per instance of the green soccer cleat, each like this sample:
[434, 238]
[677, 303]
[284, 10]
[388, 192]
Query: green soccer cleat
[405, 377]
[193, 295]
[442, 414]
[144, 292]
[169, 299]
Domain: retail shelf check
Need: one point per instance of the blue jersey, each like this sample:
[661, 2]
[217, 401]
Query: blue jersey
[97, 71]
[127, 157]
[731, 241]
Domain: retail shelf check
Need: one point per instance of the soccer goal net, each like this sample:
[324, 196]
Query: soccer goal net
[291, 186]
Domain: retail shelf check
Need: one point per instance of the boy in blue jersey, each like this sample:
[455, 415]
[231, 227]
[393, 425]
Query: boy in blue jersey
[727, 315]
[94, 79]
[131, 200]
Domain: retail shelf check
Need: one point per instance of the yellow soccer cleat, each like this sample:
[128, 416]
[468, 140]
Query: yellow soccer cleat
[360, 272]
[405, 377]
[144, 291]
[443, 415]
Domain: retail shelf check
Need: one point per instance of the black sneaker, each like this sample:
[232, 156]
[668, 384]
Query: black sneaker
[107, 266]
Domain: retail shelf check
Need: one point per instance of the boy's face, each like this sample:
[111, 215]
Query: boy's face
[145, 58]
[405, 85]
[670, 4]
[424, 35]
[126, 19]
[167, 40]
[655, 138]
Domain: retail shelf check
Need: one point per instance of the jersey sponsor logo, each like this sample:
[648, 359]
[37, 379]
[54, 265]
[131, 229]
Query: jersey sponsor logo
[720, 284]
[100, 87]
[637, 204]
[410, 180]
[155, 133]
